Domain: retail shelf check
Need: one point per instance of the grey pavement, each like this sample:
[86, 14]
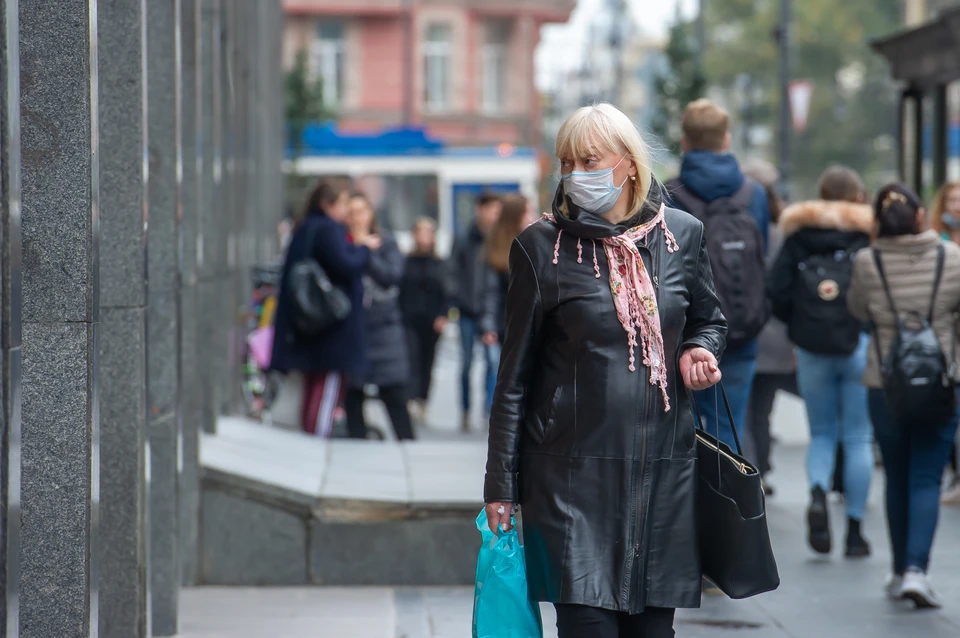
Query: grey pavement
[819, 598]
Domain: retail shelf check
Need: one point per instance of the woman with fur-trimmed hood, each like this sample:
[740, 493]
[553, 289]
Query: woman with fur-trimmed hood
[807, 287]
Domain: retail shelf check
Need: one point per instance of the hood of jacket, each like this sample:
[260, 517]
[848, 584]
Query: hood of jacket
[843, 216]
[710, 175]
[577, 222]
[823, 227]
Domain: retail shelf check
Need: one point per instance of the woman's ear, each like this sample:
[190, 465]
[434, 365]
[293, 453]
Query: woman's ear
[921, 218]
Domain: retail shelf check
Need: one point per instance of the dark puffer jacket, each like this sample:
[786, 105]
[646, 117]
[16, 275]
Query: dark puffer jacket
[605, 477]
[387, 362]
[817, 228]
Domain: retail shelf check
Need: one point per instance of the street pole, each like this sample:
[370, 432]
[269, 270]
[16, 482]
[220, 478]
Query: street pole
[701, 32]
[786, 124]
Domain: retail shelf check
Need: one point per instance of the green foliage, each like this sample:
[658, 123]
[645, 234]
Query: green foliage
[852, 117]
[304, 102]
[679, 85]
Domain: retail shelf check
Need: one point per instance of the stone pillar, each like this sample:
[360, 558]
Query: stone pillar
[163, 311]
[123, 315]
[10, 361]
[60, 479]
[210, 294]
[191, 358]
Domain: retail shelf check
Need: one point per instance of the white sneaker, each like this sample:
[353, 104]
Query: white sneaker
[894, 587]
[916, 587]
[951, 496]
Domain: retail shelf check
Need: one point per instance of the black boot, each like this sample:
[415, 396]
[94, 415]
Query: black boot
[857, 545]
[818, 521]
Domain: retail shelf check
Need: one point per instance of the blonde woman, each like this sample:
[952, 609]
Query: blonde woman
[611, 316]
[945, 212]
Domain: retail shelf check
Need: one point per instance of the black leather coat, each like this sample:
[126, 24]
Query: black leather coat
[605, 477]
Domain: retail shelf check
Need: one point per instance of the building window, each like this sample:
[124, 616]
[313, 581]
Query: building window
[327, 60]
[436, 55]
[493, 66]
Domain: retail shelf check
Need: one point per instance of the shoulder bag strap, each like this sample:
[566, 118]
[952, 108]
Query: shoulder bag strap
[886, 285]
[744, 195]
[941, 253]
[684, 198]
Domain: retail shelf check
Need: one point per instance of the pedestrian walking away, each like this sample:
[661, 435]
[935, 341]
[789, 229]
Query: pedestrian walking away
[920, 278]
[387, 366]
[328, 358]
[776, 363]
[424, 305]
[735, 212]
[945, 219]
[468, 284]
[611, 316]
[808, 288]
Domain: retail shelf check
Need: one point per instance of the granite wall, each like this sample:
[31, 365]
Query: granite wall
[140, 147]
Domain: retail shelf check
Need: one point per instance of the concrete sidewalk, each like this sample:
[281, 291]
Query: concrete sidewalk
[819, 597]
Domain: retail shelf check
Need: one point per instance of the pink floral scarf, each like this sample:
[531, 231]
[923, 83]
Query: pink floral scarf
[634, 294]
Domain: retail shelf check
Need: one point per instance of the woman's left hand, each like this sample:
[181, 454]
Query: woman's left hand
[699, 369]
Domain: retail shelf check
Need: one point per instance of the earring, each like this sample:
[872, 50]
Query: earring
[633, 178]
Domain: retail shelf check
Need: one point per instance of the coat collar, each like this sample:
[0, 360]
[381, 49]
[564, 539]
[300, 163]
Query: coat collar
[824, 215]
[910, 244]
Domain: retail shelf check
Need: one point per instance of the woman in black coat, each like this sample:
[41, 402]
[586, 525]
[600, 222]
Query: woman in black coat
[327, 359]
[387, 365]
[611, 313]
[424, 304]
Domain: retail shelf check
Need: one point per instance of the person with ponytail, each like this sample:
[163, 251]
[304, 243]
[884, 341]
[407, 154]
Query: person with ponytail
[914, 453]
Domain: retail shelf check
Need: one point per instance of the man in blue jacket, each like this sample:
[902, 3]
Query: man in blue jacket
[711, 184]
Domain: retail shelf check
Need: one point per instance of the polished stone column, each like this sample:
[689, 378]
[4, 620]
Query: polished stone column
[60, 486]
[10, 318]
[210, 293]
[123, 316]
[188, 191]
[163, 312]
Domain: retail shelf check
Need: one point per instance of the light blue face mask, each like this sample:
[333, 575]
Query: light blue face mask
[593, 191]
[950, 221]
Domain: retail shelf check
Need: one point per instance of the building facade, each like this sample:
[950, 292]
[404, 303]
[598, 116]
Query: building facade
[462, 69]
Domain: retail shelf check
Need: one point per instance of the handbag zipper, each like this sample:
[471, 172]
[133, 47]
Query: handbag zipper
[742, 467]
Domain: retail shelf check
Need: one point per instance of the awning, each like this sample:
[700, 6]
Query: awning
[925, 56]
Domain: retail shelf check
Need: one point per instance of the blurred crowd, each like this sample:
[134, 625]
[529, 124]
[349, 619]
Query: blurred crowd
[829, 299]
[399, 307]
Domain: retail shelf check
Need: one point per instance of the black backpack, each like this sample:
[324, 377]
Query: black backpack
[735, 247]
[916, 376]
[820, 322]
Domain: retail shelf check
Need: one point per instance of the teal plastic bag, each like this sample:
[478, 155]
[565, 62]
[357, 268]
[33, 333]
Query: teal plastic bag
[501, 606]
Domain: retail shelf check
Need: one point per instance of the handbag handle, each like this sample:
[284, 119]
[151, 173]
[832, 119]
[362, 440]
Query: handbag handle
[726, 405]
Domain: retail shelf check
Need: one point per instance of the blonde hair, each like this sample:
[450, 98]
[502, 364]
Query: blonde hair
[604, 127]
[705, 126]
[940, 205]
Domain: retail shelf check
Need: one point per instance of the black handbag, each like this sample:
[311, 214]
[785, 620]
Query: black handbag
[317, 304]
[735, 548]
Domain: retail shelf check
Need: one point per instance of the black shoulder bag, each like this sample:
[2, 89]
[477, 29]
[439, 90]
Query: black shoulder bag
[735, 549]
[916, 376]
[317, 304]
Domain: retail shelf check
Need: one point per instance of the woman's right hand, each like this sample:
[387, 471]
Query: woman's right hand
[373, 242]
[498, 516]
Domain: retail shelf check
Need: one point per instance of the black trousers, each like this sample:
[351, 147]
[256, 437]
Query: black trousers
[762, 395]
[394, 399]
[579, 621]
[422, 348]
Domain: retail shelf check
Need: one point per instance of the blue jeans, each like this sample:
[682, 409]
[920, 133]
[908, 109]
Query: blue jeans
[836, 401]
[469, 336]
[913, 460]
[738, 368]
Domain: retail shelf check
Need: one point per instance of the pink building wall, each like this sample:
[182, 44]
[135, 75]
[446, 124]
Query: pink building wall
[383, 76]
